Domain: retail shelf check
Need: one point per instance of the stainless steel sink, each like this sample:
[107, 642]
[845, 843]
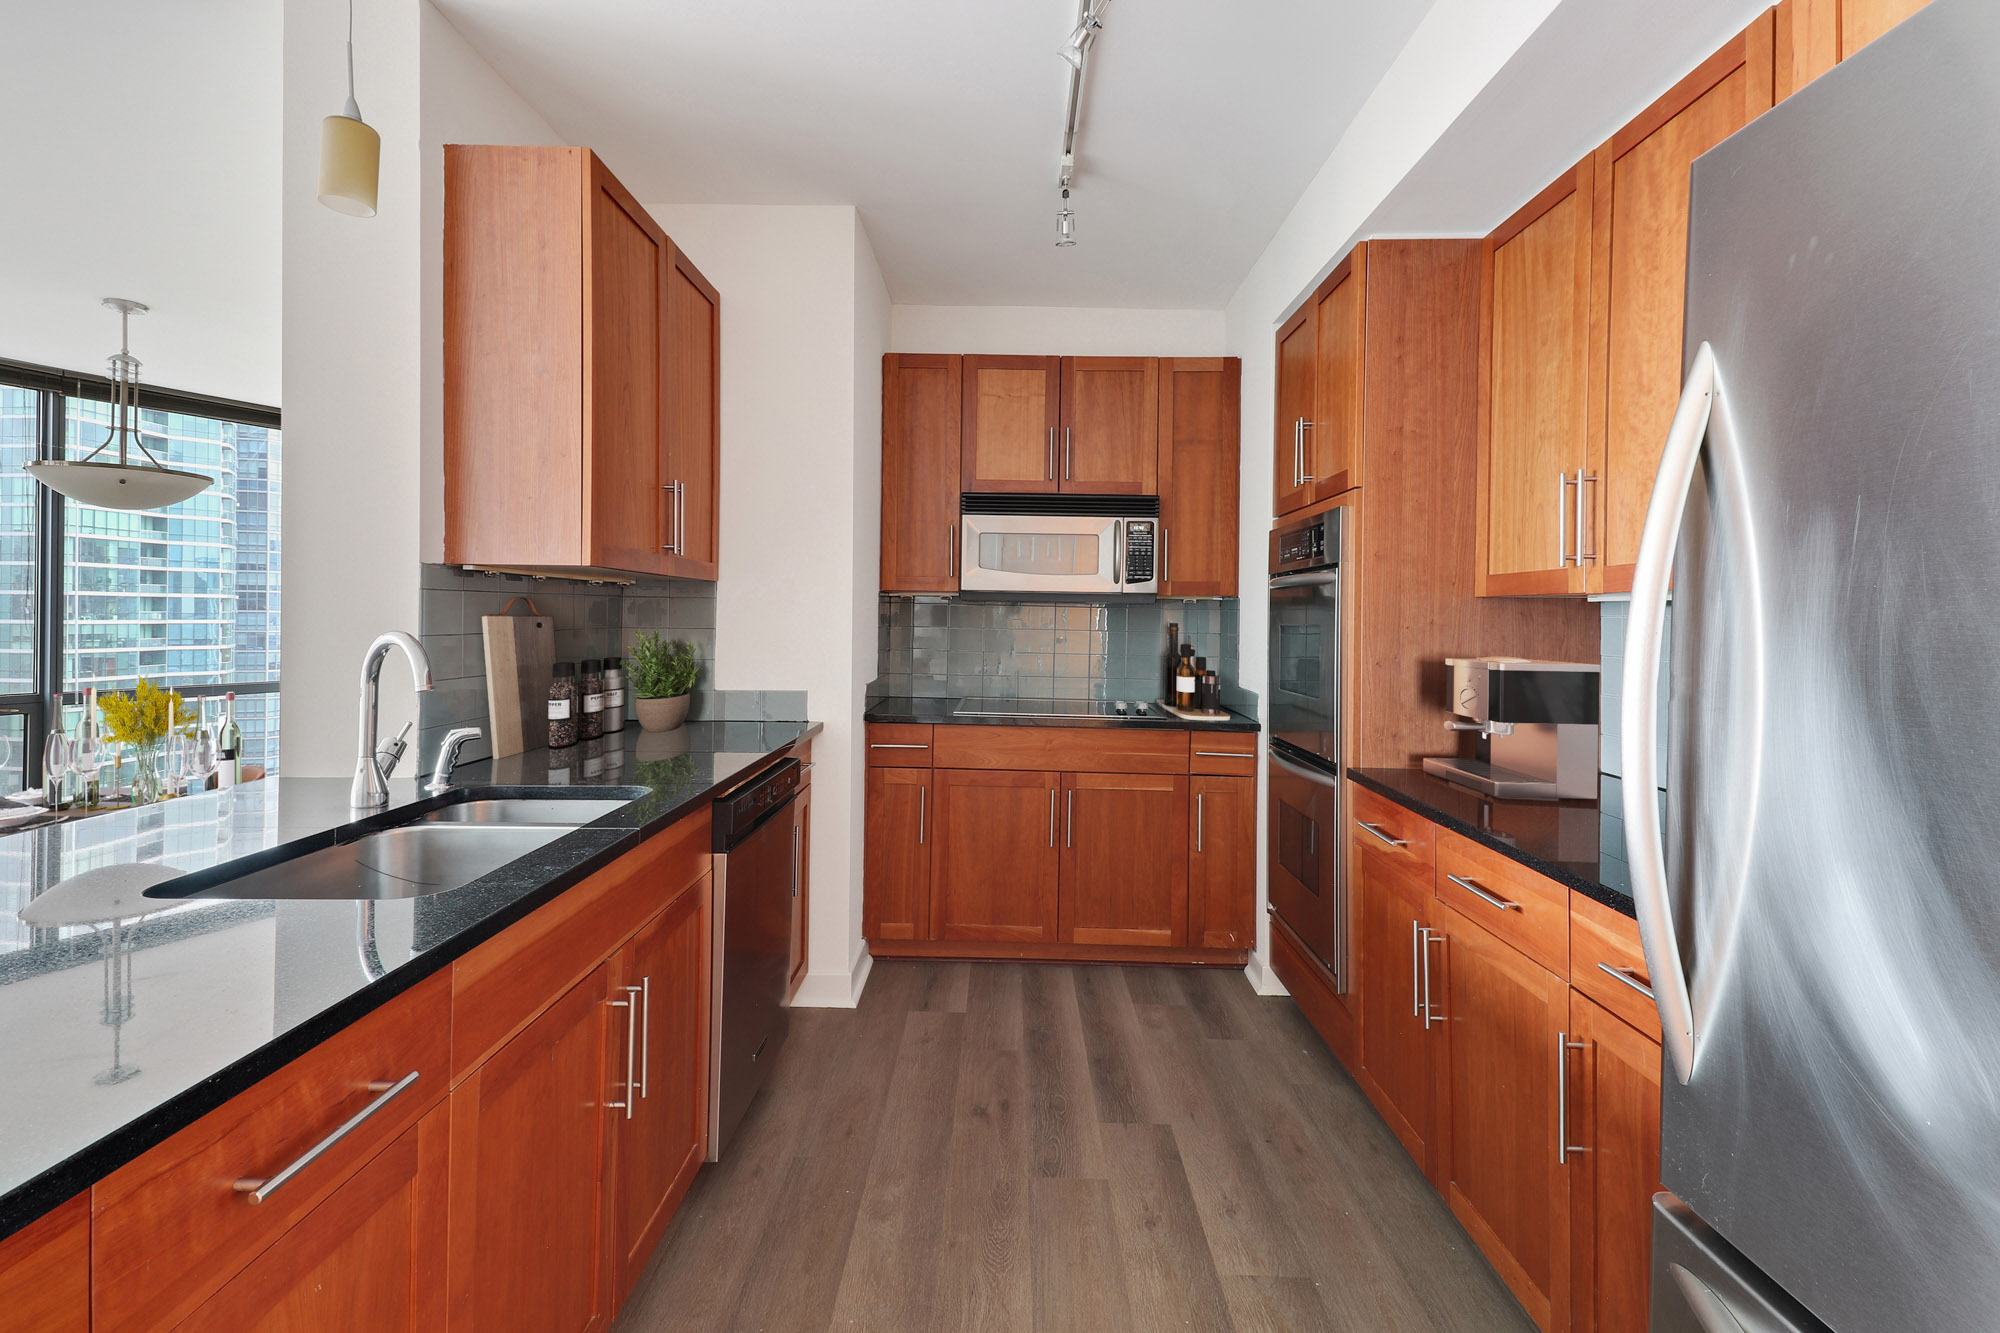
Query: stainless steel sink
[413, 861]
[525, 810]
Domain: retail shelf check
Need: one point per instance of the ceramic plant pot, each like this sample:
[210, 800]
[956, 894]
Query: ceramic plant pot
[663, 714]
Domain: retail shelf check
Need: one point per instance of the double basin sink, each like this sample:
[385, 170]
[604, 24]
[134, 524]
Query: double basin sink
[437, 851]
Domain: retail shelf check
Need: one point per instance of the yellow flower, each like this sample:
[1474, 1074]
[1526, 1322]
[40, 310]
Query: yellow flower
[146, 716]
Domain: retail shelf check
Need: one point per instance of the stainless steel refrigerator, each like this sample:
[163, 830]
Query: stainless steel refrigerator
[1821, 910]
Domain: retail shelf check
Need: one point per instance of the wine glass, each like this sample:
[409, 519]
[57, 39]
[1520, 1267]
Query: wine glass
[55, 763]
[178, 743]
[201, 758]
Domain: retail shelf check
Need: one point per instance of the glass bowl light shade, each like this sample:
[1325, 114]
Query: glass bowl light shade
[118, 485]
[350, 165]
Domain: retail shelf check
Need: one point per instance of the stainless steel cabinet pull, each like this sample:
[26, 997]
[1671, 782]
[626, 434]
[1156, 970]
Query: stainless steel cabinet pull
[1198, 798]
[1563, 1146]
[796, 830]
[1163, 555]
[1052, 454]
[667, 544]
[1052, 816]
[1430, 1011]
[681, 520]
[1223, 754]
[631, 1009]
[1416, 970]
[1624, 974]
[256, 1191]
[1562, 520]
[1582, 515]
[1304, 476]
[923, 800]
[1370, 828]
[645, 1035]
[897, 745]
[1473, 887]
[1069, 818]
[1069, 454]
[951, 549]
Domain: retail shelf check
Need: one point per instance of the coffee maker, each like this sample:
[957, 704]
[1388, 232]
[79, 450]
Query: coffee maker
[1536, 724]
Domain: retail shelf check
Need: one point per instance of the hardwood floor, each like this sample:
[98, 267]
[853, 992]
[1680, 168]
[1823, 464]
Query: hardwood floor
[994, 1146]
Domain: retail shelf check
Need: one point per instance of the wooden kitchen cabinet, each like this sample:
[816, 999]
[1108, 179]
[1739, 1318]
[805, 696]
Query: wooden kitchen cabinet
[1333, 444]
[1641, 222]
[662, 1138]
[1297, 409]
[1110, 425]
[530, 1141]
[920, 462]
[581, 364]
[1222, 863]
[1613, 1121]
[1504, 1018]
[1862, 21]
[45, 1273]
[1533, 399]
[1199, 414]
[1395, 958]
[896, 883]
[1124, 867]
[1011, 416]
[993, 858]
[799, 954]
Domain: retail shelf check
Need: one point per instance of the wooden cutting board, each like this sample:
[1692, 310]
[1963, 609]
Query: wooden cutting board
[520, 662]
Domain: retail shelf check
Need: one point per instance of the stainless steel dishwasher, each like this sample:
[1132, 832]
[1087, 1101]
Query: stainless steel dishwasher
[756, 885]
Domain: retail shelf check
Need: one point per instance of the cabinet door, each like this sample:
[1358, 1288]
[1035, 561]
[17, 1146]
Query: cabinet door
[1505, 1016]
[1199, 437]
[896, 877]
[370, 1256]
[993, 855]
[1010, 417]
[1862, 21]
[1334, 442]
[625, 426]
[1222, 866]
[1297, 408]
[1641, 181]
[661, 1139]
[528, 1171]
[920, 458]
[1396, 956]
[801, 949]
[693, 440]
[1110, 425]
[45, 1273]
[1124, 859]
[1614, 1166]
[1535, 312]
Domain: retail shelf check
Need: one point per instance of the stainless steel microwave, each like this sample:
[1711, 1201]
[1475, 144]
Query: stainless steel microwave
[1064, 547]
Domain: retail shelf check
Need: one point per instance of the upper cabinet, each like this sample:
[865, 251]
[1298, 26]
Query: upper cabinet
[1110, 425]
[1012, 416]
[920, 461]
[1291, 471]
[1320, 360]
[1198, 416]
[581, 364]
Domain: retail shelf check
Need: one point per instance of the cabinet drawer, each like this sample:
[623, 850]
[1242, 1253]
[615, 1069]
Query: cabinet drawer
[1403, 836]
[499, 987]
[898, 745]
[1064, 749]
[169, 1228]
[1608, 964]
[1229, 754]
[1529, 911]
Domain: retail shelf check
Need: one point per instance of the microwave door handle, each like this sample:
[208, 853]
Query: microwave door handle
[1117, 552]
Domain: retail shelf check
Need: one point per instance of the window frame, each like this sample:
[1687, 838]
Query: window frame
[51, 388]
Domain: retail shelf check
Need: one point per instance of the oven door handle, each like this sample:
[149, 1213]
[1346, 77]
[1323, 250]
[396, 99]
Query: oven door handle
[1318, 580]
[1320, 776]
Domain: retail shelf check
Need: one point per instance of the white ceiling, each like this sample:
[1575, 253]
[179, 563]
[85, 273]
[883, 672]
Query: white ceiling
[1203, 124]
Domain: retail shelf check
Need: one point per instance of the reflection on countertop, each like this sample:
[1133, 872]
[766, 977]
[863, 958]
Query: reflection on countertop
[942, 712]
[124, 1016]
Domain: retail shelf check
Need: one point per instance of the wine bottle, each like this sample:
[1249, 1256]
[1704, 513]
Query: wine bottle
[1184, 678]
[229, 759]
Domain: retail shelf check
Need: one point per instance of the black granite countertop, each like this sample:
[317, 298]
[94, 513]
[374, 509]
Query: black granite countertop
[223, 992]
[942, 712]
[1577, 843]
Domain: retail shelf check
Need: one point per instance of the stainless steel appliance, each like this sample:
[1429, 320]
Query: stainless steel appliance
[1536, 723]
[1114, 710]
[1821, 913]
[756, 883]
[1308, 881]
[1058, 547]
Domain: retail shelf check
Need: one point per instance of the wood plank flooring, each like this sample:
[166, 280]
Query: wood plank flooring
[1001, 1146]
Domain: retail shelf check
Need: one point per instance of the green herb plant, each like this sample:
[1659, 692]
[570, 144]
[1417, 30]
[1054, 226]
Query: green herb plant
[661, 669]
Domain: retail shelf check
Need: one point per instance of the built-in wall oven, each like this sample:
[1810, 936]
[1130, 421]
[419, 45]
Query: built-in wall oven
[1308, 877]
[1058, 547]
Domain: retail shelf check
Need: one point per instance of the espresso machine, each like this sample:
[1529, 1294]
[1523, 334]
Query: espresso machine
[1536, 724]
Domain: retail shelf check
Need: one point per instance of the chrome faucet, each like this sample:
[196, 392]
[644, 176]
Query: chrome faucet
[371, 787]
[454, 740]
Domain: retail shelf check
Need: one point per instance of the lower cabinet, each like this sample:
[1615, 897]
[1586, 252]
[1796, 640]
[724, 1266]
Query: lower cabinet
[1124, 870]
[896, 875]
[1613, 1122]
[45, 1273]
[1401, 1026]
[993, 870]
[528, 1170]
[1222, 863]
[801, 945]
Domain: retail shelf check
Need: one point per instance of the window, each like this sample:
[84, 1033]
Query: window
[187, 597]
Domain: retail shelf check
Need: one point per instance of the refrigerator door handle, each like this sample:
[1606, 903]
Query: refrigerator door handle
[1709, 1309]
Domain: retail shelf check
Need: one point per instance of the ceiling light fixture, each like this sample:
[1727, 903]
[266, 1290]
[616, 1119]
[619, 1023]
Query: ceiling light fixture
[124, 484]
[1065, 223]
[1076, 53]
[350, 151]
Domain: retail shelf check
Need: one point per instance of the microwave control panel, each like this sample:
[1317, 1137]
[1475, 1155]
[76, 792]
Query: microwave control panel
[1138, 551]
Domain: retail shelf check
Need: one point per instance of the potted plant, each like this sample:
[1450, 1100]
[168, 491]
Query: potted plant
[661, 674]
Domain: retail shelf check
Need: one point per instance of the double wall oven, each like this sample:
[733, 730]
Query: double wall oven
[1308, 873]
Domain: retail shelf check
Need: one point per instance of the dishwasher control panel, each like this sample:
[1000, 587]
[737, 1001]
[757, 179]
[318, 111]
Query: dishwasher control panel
[744, 807]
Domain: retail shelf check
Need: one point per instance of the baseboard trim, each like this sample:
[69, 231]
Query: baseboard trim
[1262, 979]
[836, 990]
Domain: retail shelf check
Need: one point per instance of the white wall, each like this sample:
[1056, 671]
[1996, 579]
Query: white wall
[1056, 331]
[142, 159]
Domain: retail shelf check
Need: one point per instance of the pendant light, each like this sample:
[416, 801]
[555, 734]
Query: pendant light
[123, 484]
[350, 152]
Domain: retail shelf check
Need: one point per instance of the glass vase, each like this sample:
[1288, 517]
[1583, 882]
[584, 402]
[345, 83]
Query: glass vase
[149, 783]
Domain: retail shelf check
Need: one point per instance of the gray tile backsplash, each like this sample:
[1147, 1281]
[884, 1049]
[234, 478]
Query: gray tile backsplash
[933, 647]
[591, 620]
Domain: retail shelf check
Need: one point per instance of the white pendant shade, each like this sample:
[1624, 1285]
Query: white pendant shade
[350, 164]
[118, 485]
